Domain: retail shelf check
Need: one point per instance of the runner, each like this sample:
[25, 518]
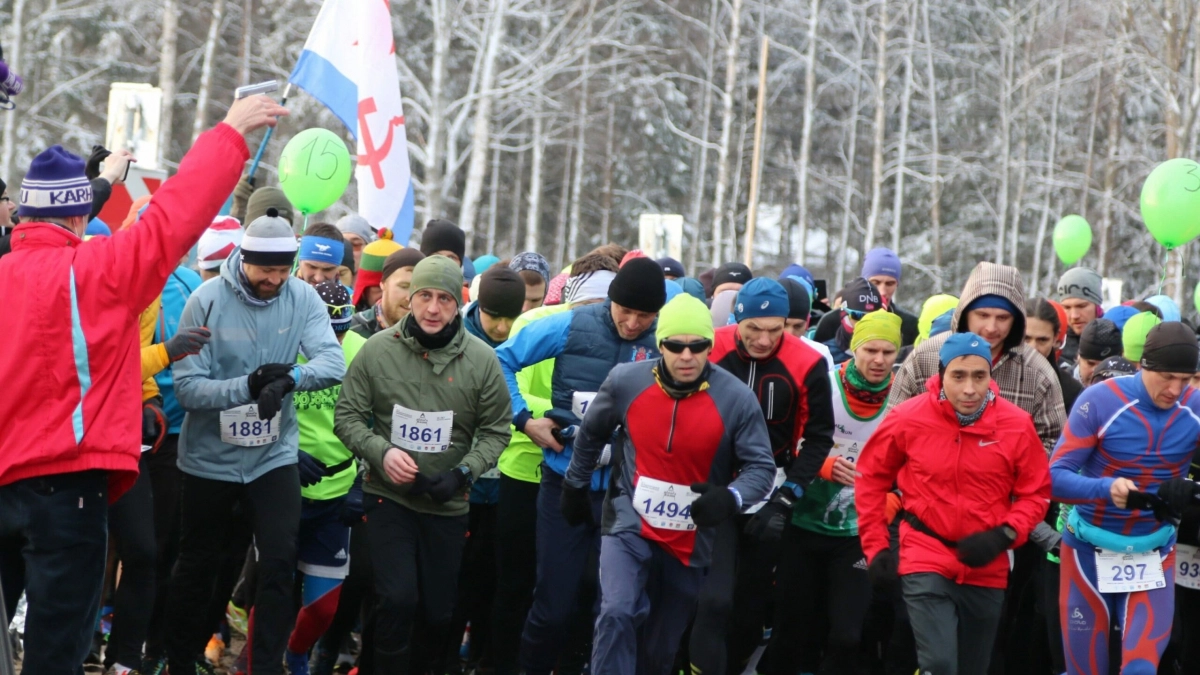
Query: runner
[1100, 340]
[859, 298]
[356, 232]
[424, 404]
[321, 253]
[973, 478]
[535, 271]
[395, 283]
[1079, 294]
[1128, 438]
[881, 267]
[675, 484]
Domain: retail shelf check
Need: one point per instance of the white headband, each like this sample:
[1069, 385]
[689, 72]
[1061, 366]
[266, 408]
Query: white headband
[588, 286]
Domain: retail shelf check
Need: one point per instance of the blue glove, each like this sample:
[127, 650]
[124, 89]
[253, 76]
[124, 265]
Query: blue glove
[311, 469]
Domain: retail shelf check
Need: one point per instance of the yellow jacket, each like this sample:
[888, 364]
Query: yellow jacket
[154, 356]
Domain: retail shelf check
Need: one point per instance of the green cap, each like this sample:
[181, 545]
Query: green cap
[439, 273]
[684, 315]
[1133, 336]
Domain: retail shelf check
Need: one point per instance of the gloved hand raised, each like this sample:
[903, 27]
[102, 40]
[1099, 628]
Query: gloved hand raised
[186, 342]
[270, 399]
[312, 470]
[264, 374]
[981, 548]
[92, 168]
[576, 505]
[714, 505]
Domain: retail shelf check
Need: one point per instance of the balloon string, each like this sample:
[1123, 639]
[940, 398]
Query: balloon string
[305, 227]
[1163, 280]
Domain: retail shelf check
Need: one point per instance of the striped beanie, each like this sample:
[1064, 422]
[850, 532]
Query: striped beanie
[370, 266]
[56, 186]
[218, 241]
[269, 242]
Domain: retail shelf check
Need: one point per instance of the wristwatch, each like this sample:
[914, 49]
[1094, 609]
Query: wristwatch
[466, 472]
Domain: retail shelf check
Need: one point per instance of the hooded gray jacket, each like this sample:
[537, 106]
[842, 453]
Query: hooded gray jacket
[246, 334]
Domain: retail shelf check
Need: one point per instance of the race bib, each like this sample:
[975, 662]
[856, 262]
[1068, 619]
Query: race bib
[1187, 566]
[419, 431]
[846, 448]
[580, 401]
[780, 477]
[666, 506]
[241, 426]
[1129, 572]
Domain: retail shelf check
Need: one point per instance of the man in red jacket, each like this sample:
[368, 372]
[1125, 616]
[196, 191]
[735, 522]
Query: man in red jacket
[974, 482]
[71, 410]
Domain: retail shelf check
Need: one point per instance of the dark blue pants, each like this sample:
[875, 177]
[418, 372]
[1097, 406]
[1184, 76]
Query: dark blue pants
[562, 562]
[53, 545]
[648, 596]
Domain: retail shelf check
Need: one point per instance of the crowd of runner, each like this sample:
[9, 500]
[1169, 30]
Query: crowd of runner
[375, 458]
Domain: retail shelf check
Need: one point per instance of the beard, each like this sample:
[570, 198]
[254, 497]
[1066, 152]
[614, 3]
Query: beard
[265, 290]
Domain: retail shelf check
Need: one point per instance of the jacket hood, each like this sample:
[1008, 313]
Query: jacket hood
[991, 279]
[474, 325]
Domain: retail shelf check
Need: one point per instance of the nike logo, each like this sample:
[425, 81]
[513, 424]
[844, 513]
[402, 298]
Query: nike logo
[284, 329]
[983, 443]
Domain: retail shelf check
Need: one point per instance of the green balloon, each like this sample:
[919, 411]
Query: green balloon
[1072, 239]
[1171, 202]
[314, 170]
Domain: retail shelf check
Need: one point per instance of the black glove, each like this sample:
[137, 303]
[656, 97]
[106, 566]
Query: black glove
[352, 509]
[445, 485]
[576, 505]
[1179, 493]
[884, 569]
[419, 486]
[1148, 501]
[981, 548]
[154, 424]
[312, 470]
[270, 399]
[715, 504]
[767, 524]
[92, 168]
[264, 374]
[186, 342]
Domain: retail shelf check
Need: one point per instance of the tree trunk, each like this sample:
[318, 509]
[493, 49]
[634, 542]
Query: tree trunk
[564, 200]
[606, 192]
[481, 135]
[810, 84]
[1040, 243]
[1009, 61]
[517, 195]
[210, 49]
[902, 158]
[1110, 171]
[166, 75]
[1091, 144]
[581, 112]
[437, 109]
[731, 58]
[534, 221]
[879, 128]
[699, 177]
[493, 201]
[1018, 204]
[13, 58]
[935, 192]
[851, 155]
[247, 43]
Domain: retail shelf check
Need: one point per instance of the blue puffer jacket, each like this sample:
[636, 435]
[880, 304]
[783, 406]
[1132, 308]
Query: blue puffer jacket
[180, 286]
[585, 346]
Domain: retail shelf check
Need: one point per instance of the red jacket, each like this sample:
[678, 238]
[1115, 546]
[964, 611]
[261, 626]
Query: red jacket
[957, 480]
[70, 365]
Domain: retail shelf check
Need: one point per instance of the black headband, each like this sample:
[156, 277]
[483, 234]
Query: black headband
[269, 258]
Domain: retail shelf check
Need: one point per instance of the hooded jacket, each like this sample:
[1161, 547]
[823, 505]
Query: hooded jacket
[1024, 376]
[394, 369]
[71, 363]
[246, 335]
[957, 480]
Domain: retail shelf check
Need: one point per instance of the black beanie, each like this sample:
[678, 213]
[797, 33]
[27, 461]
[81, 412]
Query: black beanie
[443, 235]
[640, 286]
[861, 295]
[799, 304]
[348, 258]
[501, 292]
[732, 273]
[405, 257]
[1101, 339]
[1170, 348]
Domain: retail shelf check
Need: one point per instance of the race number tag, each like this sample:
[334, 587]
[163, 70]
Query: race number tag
[846, 448]
[241, 426]
[1129, 572]
[1187, 566]
[780, 477]
[419, 431]
[580, 401]
[664, 505]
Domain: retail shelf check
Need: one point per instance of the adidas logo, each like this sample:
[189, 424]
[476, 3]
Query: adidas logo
[421, 419]
[670, 492]
[861, 565]
[341, 554]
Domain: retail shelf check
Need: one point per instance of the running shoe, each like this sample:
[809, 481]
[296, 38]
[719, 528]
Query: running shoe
[215, 650]
[297, 664]
[237, 618]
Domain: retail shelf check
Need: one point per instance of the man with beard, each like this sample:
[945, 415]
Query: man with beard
[394, 301]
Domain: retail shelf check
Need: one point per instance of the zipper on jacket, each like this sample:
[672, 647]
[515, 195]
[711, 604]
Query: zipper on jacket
[671, 433]
[770, 401]
[750, 378]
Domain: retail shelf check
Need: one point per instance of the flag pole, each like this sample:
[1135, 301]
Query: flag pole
[756, 165]
[266, 138]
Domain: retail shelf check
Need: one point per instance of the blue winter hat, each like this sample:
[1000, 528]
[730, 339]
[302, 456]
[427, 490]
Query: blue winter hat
[882, 261]
[671, 266]
[761, 297]
[673, 289]
[941, 324]
[993, 301]
[799, 272]
[56, 186]
[97, 227]
[468, 268]
[1170, 311]
[483, 262]
[964, 344]
[1120, 314]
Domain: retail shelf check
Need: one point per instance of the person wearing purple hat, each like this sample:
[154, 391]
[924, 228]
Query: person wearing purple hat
[881, 267]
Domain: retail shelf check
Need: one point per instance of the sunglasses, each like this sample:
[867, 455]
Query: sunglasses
[339, 311]
[677, 346]
[854, 314]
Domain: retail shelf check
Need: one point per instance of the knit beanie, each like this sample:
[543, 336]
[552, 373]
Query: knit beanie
[370, 265]
[684, 315]
[672, 267]
[501, 293]
[1170, 310]
[348, 259]
[357, 225]
[881, 262]
[761, 297]
[941, 324]
[1080, 282]
[443, 235]
[799, 299]
[673, 289]
[468, 268]
[1133, 336]
[55, 186]
[639, 286]
[337, 302]
[218, 241]
[1170, 348]
[269, 242]
[861, 296]
[933, 307]
[692, 287]
[963, 344]
[268, 198]
[439, 273]
[1120, 314]
[554, 289]
[993, 301]
[405, 257]
[1113, 366]
[800, 271]
[731, 273]
[878, 325]
[1100, 339]
[97, 227]
[634, 254]
[534, 262]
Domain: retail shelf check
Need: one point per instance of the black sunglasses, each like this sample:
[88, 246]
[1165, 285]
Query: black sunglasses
[677, 346]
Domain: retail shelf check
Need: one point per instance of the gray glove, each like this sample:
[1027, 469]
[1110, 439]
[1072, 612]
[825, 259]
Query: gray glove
[1046, 537]
[187, 342]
